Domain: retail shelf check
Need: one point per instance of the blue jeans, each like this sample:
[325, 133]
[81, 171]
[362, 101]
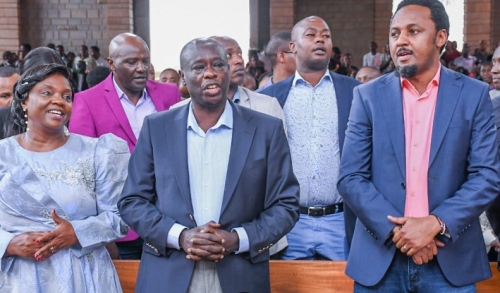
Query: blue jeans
[130, 249]
[404, 275]
[317, 238]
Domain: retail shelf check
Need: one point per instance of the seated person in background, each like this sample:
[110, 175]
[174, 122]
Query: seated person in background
[249, 82]
[97, 75]
[8, 77]
[366, 74]
[170, 75]
[58, 194]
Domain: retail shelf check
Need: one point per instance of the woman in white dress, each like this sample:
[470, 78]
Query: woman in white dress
[58, 194]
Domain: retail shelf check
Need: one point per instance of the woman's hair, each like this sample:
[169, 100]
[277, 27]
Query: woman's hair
[41, 55]
[16, 123]
[38, 56]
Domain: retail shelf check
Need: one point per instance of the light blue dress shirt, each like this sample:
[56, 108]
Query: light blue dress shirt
[136, 113]
[208, 159]
[311, 116]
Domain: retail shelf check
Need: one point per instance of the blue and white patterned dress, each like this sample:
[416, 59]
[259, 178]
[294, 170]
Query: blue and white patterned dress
[82, 180]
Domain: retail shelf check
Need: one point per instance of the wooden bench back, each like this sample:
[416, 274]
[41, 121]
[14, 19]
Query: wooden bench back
[299, 277]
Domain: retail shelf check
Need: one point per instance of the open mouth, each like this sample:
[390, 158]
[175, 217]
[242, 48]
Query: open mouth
[404, 54]
[57, 114]
[212, 89]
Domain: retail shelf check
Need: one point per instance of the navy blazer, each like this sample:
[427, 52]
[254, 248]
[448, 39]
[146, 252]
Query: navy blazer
[463, 174]
[344, 87]
[261, 195]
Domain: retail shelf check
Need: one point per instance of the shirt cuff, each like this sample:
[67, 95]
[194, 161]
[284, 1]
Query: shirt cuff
[244, 243]
[173, 236]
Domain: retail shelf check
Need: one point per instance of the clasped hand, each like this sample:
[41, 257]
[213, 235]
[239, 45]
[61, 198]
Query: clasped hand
[415, 237]
[42, 245]
[208, 242]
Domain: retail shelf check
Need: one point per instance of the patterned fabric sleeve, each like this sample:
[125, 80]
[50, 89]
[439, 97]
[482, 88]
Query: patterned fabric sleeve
[111, 161]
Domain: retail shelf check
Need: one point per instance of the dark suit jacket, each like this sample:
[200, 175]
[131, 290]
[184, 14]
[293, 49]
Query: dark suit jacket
[344, 87]
[463, 176]
[493, 211]
[260, 195]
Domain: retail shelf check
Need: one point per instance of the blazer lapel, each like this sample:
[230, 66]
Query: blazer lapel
[342, 94]
[391, 98]
[157, 101]
[450, 87]
[243, 134]
[282, 90]
[176, 131]
[244, 97]
[116, 107]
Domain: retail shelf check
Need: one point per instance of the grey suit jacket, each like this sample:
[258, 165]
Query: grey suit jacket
[255, 101]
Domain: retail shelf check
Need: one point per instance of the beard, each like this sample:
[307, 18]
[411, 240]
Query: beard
[407, 72]
[317, 65]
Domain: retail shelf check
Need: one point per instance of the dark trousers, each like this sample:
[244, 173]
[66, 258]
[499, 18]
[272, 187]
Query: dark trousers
[130, 249]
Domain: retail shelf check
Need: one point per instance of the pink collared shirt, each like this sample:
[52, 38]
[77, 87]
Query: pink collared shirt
[419, 118]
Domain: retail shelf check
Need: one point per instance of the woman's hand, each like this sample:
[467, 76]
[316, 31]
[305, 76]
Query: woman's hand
[63, 236]
[24, 244]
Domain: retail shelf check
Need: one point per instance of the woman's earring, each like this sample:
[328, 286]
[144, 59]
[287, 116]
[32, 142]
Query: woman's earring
[26, 119]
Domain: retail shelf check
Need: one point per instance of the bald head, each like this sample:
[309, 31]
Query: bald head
[119, 43]
[366, 74]
[192, 49]
[130, 62]
[304, 24]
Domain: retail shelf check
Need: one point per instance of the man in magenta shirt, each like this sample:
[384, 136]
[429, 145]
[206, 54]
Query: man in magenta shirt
[419, 166]
[119, 105]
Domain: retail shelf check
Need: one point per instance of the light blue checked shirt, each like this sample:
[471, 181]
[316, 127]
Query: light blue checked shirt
[311, 116]
[208, 159]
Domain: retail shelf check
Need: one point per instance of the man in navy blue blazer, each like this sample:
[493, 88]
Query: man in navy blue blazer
[317, 103]
[210, 187]
[419, 166]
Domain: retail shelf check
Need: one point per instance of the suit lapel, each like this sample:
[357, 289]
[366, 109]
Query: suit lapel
[157, 101]
[116, 107]
[342, 94]
[176, 131]
[244, 97]
[243, 134]
[391, 98]
[282, 90]
[450, 87]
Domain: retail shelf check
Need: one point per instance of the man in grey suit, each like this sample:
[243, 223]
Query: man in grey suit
[238, 94]
[210, 188]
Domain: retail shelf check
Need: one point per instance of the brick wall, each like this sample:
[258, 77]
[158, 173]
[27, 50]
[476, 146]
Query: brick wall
[382, 18]
[282, 15]
[75, 22]
[495, 24]
[9, 25]
[477, 22]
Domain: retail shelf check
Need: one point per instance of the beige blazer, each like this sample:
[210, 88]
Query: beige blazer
[263, 104]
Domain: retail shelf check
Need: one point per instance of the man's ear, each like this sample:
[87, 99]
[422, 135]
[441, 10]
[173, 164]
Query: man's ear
[183, 80]
[292, 47]
[111, 64]
[441, 38]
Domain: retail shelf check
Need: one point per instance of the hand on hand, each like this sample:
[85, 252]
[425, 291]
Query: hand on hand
[413, 234]
[427, 253]
[24, 244]
[203, 243]
[62, 237]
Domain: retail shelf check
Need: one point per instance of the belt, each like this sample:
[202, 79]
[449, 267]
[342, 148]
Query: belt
[322, 211]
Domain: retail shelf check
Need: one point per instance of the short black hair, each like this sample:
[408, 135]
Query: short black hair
[51, 45]
[276, 44]
[336, 50]
[60, 46]
[7, 71]
[97, 75]
[6, 55]
[438, 14]
[95, 49]
[26, 46]
[171, 69]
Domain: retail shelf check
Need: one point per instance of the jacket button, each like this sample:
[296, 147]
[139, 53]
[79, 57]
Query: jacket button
[403, 186]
